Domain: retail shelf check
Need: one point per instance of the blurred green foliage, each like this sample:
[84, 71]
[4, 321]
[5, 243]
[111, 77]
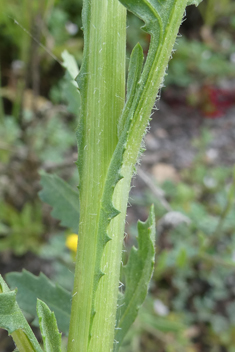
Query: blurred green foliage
[19, 19]
[198, 62]
[213, 11]
[62, 261]
[21, 231]
[9, 134]
[195, 263]
[48, 132]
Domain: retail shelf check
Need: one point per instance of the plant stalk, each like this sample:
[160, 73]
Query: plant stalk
[102, 83]
[103, 96]
[22, 342]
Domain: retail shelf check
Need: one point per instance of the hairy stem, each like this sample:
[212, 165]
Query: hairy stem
[102, 84]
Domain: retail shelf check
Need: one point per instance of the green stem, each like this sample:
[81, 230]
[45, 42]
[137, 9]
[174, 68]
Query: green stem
[101, 81]
[102, 84]
[22, 342]
[106, 297]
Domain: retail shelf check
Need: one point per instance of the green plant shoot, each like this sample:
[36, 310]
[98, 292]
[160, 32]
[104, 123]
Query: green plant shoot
[113, 119]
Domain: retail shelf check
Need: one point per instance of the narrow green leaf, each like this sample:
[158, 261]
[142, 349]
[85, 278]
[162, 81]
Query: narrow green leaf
[63, 199]
[70, 88]
[13, 320]
[138, 273]
[31, 287]
[70, 64]
[48, 326]
[134, 72]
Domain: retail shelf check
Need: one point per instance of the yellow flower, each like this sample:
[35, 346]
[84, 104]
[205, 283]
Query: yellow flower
[72, 242]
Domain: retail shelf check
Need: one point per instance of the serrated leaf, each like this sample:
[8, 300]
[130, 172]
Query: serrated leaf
[31, 287]
[153, 13]
[48, 327]
[138, 273]
[13, 320]
[63, 199]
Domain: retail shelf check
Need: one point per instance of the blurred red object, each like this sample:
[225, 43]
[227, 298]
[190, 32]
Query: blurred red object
[211, 101]
[215, 101]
